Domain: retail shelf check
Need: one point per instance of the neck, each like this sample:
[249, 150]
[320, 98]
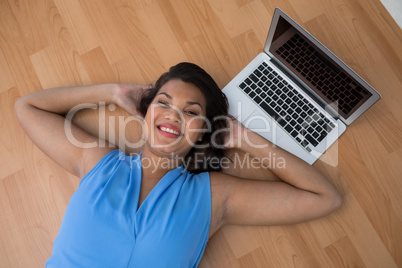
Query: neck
[158, 165]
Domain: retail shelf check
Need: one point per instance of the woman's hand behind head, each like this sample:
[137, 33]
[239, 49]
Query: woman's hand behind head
[128, 97]
[236, 133]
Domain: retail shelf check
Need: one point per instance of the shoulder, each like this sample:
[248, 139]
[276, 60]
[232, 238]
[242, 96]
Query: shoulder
[106, 163]
[197, 183]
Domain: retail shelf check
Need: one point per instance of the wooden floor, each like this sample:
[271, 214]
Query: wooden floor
[51, 43]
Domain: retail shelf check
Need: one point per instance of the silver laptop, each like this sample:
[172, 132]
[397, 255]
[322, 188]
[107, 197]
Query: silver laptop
[297, 93]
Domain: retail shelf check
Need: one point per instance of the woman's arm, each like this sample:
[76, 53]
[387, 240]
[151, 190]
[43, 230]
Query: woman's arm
[302, 194]
[42, 116]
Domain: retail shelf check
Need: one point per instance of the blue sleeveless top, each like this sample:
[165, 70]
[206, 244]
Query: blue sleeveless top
[102, 227]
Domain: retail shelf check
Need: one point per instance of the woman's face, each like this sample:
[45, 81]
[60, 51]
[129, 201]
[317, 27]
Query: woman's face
[175, 120]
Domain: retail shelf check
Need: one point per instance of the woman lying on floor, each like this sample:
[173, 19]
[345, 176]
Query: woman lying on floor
[160, 207]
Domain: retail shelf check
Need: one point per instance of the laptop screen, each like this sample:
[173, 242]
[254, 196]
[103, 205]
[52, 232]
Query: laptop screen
[315, 66]
[317, 70]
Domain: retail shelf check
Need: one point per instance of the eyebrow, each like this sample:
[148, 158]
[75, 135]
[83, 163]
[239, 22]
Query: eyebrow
[189, 102]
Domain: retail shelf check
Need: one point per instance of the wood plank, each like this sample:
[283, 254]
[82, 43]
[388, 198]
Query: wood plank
[98, 67]
[161, 35]
[83, 33]
[343, 254]
[9, 156]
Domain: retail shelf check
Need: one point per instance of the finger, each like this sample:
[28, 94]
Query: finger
[147, 86]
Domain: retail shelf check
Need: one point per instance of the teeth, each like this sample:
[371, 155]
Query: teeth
[170, 131]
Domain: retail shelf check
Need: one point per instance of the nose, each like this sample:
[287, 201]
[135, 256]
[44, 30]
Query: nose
[173, 114]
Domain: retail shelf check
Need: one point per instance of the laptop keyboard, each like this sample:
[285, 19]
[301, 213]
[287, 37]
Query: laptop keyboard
[334, 84]
[293, 112]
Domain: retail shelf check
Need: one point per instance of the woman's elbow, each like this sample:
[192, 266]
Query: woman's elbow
[335, 202]
[18, 107]
[22, 109]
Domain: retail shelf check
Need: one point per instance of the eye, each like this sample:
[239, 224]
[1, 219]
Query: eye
[163, 103]
[190, 112]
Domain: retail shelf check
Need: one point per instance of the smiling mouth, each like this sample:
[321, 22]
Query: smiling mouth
[169, 130]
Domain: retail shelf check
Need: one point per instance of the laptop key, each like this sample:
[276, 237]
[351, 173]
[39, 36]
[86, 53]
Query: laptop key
[311, 140]
[322, 136]
[257, 73]
[281, 122]
[257, 99]
[269, 110]
[313, 124]
[304, 143]
[288, 128]
[254, 78]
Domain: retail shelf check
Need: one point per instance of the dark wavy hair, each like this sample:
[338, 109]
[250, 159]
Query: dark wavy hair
[216, 112]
